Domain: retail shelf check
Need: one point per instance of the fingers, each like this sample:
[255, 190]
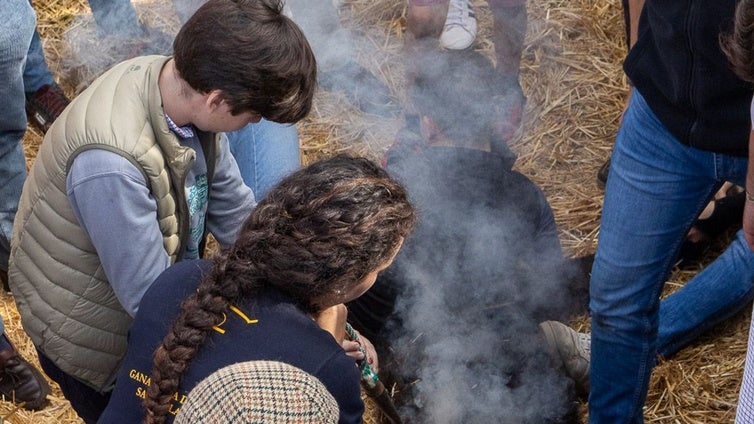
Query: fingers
[353, 349]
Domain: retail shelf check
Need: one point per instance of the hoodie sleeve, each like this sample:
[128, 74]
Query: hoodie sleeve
[230, 200]
[111, 201]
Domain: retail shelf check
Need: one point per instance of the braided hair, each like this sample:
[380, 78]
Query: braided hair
[318, 232]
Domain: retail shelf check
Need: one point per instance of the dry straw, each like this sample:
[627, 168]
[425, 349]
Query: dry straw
[571, 74]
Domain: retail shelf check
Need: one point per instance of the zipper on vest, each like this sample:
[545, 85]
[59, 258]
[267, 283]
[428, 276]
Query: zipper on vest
[183, 212]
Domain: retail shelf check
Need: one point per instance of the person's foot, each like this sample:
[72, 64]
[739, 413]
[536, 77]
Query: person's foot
[20, 381]
[460, 27]
[361, 87]
[45, 105]
[602, 174]
[571, 349]
[725, 213]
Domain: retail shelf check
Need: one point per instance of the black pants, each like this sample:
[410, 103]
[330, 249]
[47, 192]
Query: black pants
[87, 402]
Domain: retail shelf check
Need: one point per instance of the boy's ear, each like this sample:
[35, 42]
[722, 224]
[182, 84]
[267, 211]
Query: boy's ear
[214, 99]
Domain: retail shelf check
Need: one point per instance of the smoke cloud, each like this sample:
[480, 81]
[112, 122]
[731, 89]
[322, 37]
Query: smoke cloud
[116, 32]
[466, 340]
[465, 337]
[483, 268]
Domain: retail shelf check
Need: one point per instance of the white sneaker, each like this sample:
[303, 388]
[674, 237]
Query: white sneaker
[460, 26]
[571, 349]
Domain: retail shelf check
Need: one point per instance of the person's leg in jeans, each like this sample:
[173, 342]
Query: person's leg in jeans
[266, 152]
[719, 291]
[36, 72]
[745, 409]
[20, 380]
[16, 32]
[656, 189]
[45, 99]
[116, 17]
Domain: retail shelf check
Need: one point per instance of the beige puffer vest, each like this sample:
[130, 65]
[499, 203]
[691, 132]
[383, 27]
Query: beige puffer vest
[67, 306]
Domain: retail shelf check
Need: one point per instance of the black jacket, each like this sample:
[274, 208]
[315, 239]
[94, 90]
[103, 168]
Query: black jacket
[481, 225]
[679, 68]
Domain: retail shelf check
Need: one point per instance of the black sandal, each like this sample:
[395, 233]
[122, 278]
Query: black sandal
[727, 214]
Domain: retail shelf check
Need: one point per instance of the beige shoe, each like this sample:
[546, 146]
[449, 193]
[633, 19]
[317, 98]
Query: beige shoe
[572, 350]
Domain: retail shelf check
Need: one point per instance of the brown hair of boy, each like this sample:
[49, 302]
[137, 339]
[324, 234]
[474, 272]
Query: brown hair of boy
[256, 56]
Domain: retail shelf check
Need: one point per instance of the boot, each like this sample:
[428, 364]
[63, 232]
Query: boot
[20, 381]
[45, 105]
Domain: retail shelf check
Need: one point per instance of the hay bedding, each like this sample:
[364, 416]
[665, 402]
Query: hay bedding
[575, 87]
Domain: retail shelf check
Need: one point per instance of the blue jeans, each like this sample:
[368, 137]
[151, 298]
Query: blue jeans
[36, 72]
[655, 190]
[17, 21]
[115, 17]
[266, 152]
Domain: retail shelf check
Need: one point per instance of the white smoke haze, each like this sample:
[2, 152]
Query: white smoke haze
[93, 47]
[470, 347]
[469, 341]
[112, 34]
[475, 283]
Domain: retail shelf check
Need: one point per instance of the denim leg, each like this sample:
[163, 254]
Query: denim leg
[266, 152]
[116, 17]
[655, 189]
[719, 291]
[36, 72]
[17, 23]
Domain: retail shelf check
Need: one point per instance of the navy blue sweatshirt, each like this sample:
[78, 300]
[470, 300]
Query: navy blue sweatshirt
[268, 327]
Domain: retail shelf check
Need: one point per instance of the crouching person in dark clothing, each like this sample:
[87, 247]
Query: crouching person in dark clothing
[462, 302]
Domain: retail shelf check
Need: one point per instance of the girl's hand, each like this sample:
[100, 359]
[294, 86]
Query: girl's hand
[357, 350]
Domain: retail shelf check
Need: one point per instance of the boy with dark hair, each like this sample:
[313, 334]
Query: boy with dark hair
[134, 173]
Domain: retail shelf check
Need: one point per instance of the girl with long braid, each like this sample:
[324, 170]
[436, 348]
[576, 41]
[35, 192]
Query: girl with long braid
[317, 240]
